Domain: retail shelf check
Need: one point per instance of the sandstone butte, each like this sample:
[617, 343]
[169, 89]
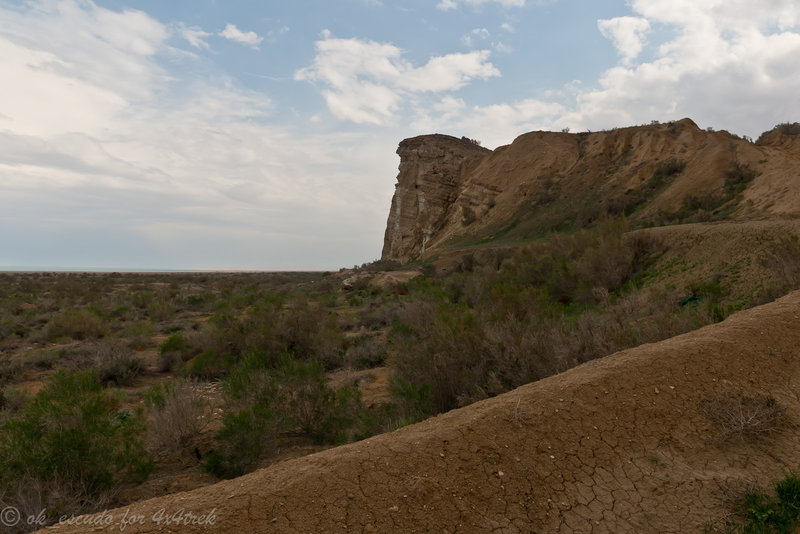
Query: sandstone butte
[620, 444]
[449, 189]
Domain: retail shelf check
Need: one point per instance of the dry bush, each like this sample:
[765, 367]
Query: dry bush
[45, 501]
[365, 353]
[178, 413]
[116, 364]
[737, 415]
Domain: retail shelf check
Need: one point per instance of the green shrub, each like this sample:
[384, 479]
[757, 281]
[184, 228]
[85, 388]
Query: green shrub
[75, 324]
[737, 176]
[762, 513]
[173, 351]
[306, 402]
[266, 400]
[70, 441]
[208, 365]
[414, 401]
[246, 436]
[160, 310]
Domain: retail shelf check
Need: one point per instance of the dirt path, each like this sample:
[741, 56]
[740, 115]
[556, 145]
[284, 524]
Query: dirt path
[620, 444]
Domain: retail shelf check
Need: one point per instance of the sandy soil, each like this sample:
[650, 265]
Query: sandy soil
[620, 444]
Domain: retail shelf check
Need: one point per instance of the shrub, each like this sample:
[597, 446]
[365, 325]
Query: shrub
[759, 512]
[70, 441]
[173, 351]
[265, 401]
[670, 167]
[414, 401]
[246, 436]
[786, 128]
[744, 417]
[783, 261]
[13, 399]
[140, 334]
[160, 310]
[208, 365]
[115, 364]
[306, 402]
[76, 324]
[178, 413]
[737, 176]
[467, 215]
[366, 353]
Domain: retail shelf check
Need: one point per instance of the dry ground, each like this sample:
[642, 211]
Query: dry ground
[620, 444]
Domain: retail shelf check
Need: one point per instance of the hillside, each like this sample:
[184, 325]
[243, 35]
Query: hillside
[451, 194]
[576, 333]
[627, 443]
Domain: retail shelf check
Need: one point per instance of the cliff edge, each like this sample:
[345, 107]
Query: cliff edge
[453, 194]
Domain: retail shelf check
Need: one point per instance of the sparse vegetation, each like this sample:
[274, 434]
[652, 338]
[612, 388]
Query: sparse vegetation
[178, 413]
[69, 448]
[744, 417]
[785, 128]
[267, 401]
[759, 512]
[497, 319]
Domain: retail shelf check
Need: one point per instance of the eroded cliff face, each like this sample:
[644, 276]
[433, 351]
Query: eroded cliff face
[450, 191]
[432, 168]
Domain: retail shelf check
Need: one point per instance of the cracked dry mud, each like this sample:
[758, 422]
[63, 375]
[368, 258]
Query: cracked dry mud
[616, 445]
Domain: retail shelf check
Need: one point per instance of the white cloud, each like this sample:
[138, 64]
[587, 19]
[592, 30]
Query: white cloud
[480, 34]
[627, 34]
[368, 82]
[445, 5]
[729, 64]
[502, 47]
[105, 161]
[508, 27]
[234, 34]
[194, 35]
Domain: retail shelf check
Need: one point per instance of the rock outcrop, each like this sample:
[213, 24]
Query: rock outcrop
[432, 168]
[451, 191]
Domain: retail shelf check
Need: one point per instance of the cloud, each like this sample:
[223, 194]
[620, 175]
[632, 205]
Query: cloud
[480, 34]
[236, 35]
[503, 48]
[107, 161]
[194, 35]
[627, 34]
[445, 5]
[367, 82]
[70, 66]
[727, 64]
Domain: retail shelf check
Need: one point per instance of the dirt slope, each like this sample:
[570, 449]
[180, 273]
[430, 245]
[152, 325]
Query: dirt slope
[620, 444]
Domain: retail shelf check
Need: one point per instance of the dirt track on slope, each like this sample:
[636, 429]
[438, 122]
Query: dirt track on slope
[620, 444]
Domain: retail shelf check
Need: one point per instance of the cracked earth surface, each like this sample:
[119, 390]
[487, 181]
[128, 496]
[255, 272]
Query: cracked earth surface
[620, 444]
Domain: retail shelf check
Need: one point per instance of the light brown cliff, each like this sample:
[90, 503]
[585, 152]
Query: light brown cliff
[450, 192]
[432, 168]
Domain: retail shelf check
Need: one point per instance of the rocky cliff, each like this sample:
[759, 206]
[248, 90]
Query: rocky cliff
[451, 193]
[432, 169]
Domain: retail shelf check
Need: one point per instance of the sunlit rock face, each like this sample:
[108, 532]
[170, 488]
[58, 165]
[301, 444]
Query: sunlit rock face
[432, 168]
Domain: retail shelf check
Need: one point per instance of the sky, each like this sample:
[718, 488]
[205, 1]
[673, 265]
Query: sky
[260, 134]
